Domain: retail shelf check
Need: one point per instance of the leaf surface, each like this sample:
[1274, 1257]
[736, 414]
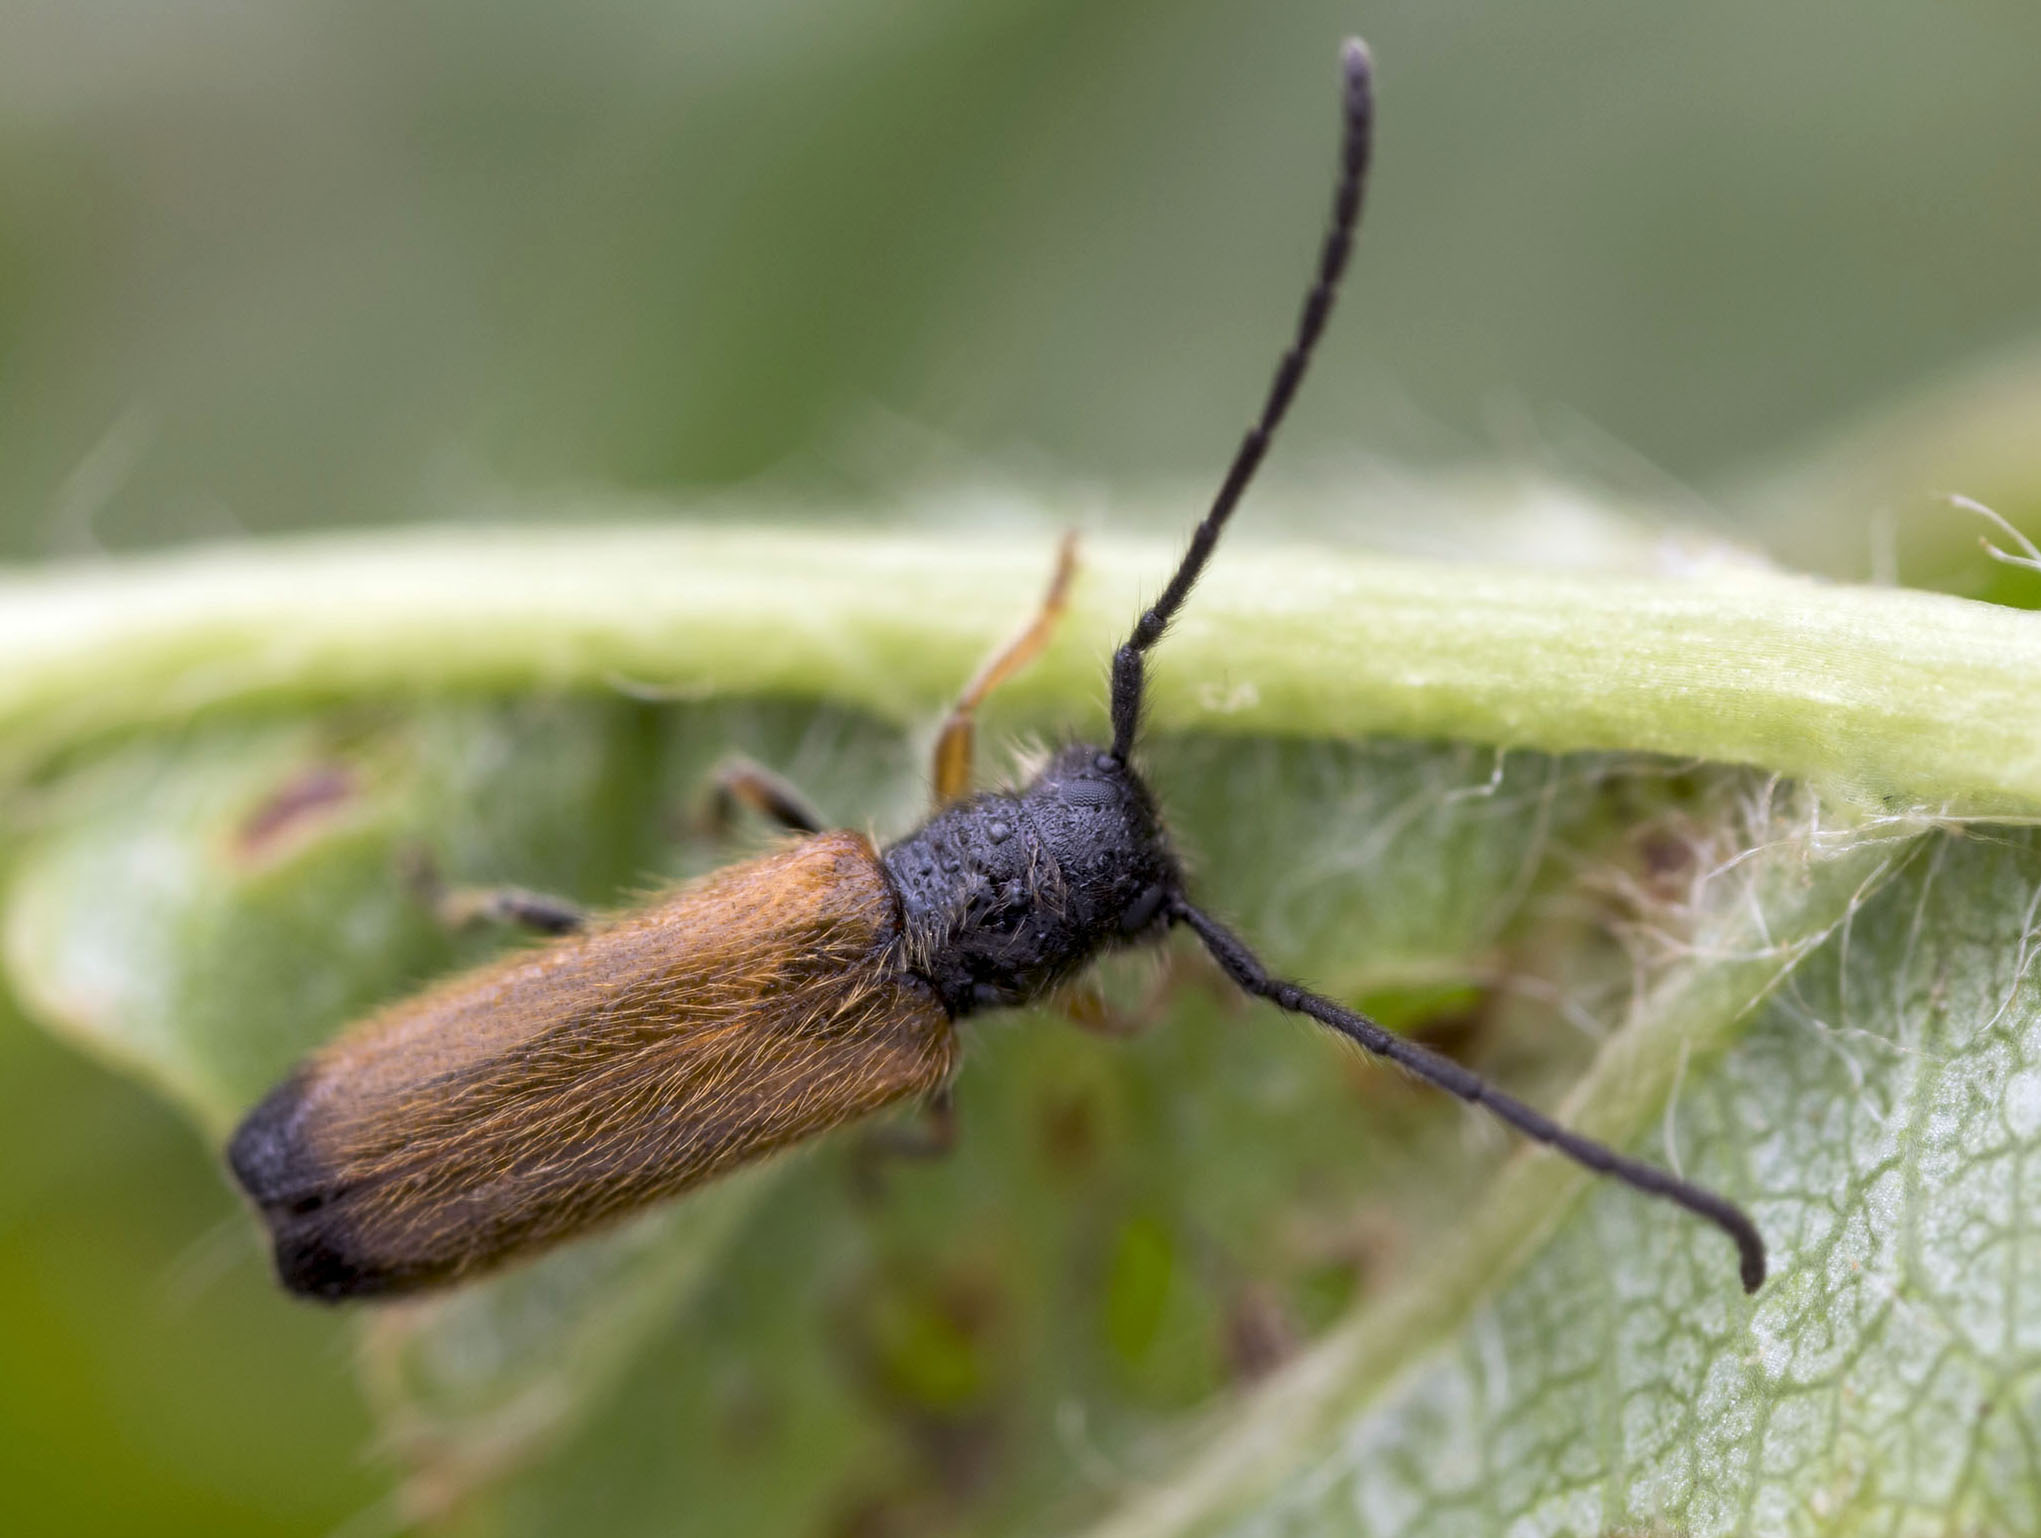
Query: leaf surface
[1219, 1276]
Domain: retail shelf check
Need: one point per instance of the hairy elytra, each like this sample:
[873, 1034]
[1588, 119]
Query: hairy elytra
[558, 1089]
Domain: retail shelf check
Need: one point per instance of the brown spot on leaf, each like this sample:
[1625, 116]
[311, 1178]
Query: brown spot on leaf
[1260, 1335]
[1069, 1134]
[307, 798]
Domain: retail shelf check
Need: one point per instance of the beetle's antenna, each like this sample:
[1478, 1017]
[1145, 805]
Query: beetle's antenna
[1128, 665]
[1246, 970]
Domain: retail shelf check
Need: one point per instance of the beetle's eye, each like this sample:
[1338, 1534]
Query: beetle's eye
[1089, 793]
[1141, 910]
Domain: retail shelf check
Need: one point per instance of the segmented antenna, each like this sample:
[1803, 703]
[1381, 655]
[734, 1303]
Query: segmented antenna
[1247, 971]
[1128, 665]
[1234, 958]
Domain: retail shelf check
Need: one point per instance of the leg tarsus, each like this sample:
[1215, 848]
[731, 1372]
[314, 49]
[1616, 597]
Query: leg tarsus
[461, 907]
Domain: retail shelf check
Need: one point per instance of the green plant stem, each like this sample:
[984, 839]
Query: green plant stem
[1887, 697]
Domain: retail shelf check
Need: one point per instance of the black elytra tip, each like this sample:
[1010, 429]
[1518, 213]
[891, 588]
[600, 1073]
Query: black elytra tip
[315, 1262]
[314, 1249]
[267, 1157]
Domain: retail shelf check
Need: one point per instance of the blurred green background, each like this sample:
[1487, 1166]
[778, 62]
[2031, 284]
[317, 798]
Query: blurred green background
[275, 264]
[270, 264]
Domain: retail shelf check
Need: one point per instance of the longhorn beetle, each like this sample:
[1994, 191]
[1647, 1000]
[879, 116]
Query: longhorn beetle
[555, 1090]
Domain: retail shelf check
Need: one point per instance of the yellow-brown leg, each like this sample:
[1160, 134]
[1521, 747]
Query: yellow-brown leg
[952, 771]
[934, 1136]
[1090, 1010]
[460, 907]
[740, 781]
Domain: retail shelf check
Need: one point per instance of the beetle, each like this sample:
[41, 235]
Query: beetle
[558, 1089]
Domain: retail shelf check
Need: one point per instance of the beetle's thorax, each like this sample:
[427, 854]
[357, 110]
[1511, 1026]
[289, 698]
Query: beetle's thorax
[1006, 894]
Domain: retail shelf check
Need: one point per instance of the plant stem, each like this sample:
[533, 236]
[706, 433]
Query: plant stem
[1889, 698]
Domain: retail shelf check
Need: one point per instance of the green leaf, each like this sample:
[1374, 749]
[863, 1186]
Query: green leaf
[1372, 1311]
[1883, 1115]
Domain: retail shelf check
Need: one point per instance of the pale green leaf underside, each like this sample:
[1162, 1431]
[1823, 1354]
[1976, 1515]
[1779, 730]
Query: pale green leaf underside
[1883, 1113]
[1766, 917]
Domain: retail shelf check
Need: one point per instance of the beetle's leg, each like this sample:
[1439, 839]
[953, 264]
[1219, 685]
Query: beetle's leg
[933, 1137]
[741, 781]
[1085, 1007]
[952, 769]
[1088, 1007]
[459, 907]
